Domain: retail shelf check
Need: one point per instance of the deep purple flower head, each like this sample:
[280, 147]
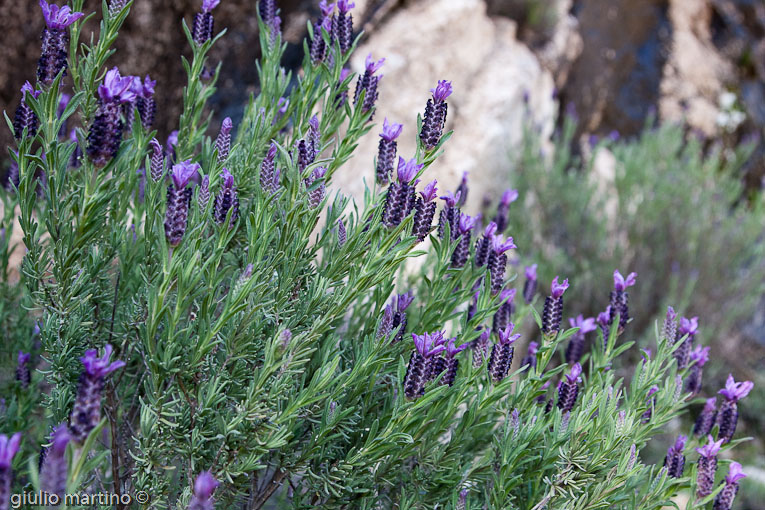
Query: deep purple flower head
[226, 178]
[23, 358]
[204, 486]
[688, 326]
[59, 17]
[370, 64]
[735, 473]
[466, 223]
[735, 391]
[8, 449]
[407, 170]
[531, 272]
[500, 245]
[621, 283]
[711, 449]
[508, 197]
[490, 230]
[116, 87]
[345, 5]
[679, 445]
[209, 5]
[506, 337]
[584, 325]
[604, 318]
[671, 314]
[183, 172]
[429, 345]
[442, 91]
[429, 193]
[557, 289]
[390, 131]
[574, 375]
[450, 198]
[147, 90]
[29, 89]
[403, 301]
[452, 350]
[326, 8]
[700, 355]
[100, 367]
[533, 349]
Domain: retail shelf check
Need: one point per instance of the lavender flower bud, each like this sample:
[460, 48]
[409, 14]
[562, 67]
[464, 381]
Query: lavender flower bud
[530, 285]
[633, 457]
[316, 195]
[620, 298]
[462, 190]
[462, 501]
[341, 233]
[204, 486]
[55, 41]
[498, 261]
[706, 419]
[226, 199]
[386, 151]
[344, 24]
[688, 329]
[342, 96]
[669, 328]
[145, 104]
[435, 115]
[727, 416]
[13, 178]
[553, 309]
[707, 467]
[116, 6]
[575, 348]
[424, 211]
[724, 499]
[426, 347]
[675, 460]
[450, 215]
[531, 356]
[54, 472]
[87, 405]
[306, 156]
[105, 133]
[400, 197]
[223, 142]
[699, 356]
[502, 354]
[318, 46]
[483, 245]
[269, 178]
[568, 390]
[462, 250]
[23, 375]
[204, 193]
[481, 348]
[399, 317]
[505, 311]
[368, 84]
[314, 135]
[24, 117]
[503, 210]
[8, 450]
[452, 363]
[286, 338]
[157, 161]
[202, 27]
[267, 10]
[651, 403]
[386, 323]
[178, 201]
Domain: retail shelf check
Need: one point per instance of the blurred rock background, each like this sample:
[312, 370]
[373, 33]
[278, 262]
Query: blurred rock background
[618, 66]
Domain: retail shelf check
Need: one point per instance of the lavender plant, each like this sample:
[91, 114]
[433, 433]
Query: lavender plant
[241, 333]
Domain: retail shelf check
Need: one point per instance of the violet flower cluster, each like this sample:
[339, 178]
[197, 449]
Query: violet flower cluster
[55, 41]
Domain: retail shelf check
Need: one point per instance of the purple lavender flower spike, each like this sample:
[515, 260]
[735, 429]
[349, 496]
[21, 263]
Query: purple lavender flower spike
[502, 354]
[568, 391]
[368, 83]
[575, 347]
[675, 460]
[503, 210]
[698, 357]
[145, 103]
[452, 363]
[317, 195]
[505, 311]
[462, 189]
[267, 11]
[342, 235]
[462, 250]
[105, 134]
[400, 199]
[531, 356]
[434, 119]
[267, 171]
[407, 170]
[481, 348]
[669, 328]
[386, 323]
[23, 375]
[707, 467]
[204, 486]
[8, 450]
[343, 25]
[530, 285]
[55, 41]
[399, 316]
[87, 405]
[223, 141]
[318, 46]
[178, 201]
[157, 160]
[424, 211]
[450, 215]
[386, 151]
[497, 261]
[724, 500]
[25, 118]
[620, 298]
[706, 419]
[54, 472]
[203, 24]
[727, 416]
[483, 245]
[226, 200]
[687, 329]
[552, 312]
[426, 347]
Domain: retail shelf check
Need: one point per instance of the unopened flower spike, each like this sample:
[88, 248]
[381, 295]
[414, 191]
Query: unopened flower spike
[318, 46]
[502, 354]
[505, 311]
[568, 390]
[462, 189]
[368, 83]
[675, 459]
[483, 245]
[724, 500]
[87, 405]
[706, 418]
[343, 24]
[204, 486]
[575, 347]
[727, 416]
[687, 329]
[316, 195]
[481, 348]
[226, 200]
[145, 103]
[530, 285]
[452, 363]
[706, 467]
[462, 250]
[223, 142]
[386, 151]
[54, 472]
[426, 347]
[698, 358]
[399, 314]
[424, 211]
[450, 215]
[203, 24]
[401, 197]
[497, 261]
[55, 41]
[552, 312]
[620, 298]
[178, 201]
[269, 177]
[23, 375]
[531, 356]
[25, 118]
[669, 327]
[342, 235]
[105, 134]
[434, 119]
[503, 210]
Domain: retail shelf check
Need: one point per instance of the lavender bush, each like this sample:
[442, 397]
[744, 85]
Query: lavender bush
[211, 325]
